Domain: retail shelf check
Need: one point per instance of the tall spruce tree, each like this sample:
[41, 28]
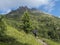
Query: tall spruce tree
[26, 22]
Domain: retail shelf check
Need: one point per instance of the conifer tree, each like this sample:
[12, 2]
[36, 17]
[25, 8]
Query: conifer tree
[26, 22]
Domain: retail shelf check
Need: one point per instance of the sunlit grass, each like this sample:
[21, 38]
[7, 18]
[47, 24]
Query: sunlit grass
[21, 36]
[51, 42]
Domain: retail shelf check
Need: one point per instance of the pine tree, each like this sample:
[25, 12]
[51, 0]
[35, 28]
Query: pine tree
[26, 22]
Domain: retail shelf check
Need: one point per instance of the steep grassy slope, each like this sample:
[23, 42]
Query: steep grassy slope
[50, 42]
[19, 37]
[48, 26]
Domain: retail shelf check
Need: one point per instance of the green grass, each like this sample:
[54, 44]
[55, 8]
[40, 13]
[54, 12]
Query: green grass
[21, 38]
[51, 42]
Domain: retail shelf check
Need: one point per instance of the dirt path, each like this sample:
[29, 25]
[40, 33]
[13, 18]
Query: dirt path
[41, 41]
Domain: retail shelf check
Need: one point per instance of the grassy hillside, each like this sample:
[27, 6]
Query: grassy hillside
[48, 27]
[21, 38]
[18, 37]
[50, 42]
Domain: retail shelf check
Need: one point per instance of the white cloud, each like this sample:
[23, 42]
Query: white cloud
[14, 3]
[58, 16]
[50, 6]
[10, 4]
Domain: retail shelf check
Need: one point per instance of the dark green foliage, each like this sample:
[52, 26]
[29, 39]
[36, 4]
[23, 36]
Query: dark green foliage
[26, 25]
[2, 28]
[49, 28]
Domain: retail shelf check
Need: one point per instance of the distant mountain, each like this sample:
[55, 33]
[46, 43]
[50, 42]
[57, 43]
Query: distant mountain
[18, 12]
[21, 10]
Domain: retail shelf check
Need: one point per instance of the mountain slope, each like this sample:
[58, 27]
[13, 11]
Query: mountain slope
[48, 27]
[44, 22]
[19, 37]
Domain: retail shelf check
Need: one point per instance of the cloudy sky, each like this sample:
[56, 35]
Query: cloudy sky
[49, 6]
